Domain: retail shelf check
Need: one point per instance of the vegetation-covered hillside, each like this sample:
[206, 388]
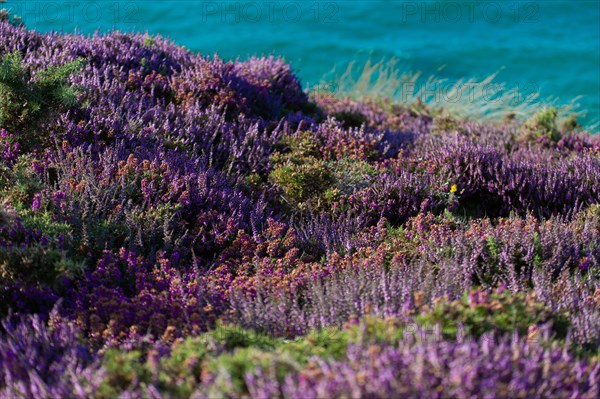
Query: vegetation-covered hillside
[174, 225]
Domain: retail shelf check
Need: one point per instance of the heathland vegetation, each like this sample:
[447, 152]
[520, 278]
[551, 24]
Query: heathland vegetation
[175, 225]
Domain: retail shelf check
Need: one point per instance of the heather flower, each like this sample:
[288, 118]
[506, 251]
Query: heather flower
[35, 205]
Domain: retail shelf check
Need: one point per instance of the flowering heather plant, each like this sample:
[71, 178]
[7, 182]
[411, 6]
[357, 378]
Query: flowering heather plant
[45, 361]
[126, 298]
[177, 225]
[507, 369]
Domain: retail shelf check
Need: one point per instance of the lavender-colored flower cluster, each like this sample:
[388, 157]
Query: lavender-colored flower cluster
[511, 368]
[182, 196]
[45, 361]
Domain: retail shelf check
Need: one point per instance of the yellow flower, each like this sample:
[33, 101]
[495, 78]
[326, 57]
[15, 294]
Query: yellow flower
[454, 188]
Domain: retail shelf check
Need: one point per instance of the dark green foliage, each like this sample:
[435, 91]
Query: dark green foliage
[27, 100]
[30, 263]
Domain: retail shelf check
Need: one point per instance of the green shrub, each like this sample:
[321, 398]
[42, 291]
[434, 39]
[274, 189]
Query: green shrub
[25, 101]
[326, 343]
[299, 171]
[500, 311]
[45, 222]
[308, 181]
[33, 262]
[375, 330]
[296, 149]
[302, 182]
[541, 124]
[123, 370]
[272, 355]
[223, 355]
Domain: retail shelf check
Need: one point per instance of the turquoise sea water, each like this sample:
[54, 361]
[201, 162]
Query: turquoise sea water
[552, 46]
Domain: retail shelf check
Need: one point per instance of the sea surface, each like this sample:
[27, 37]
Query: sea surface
[551, 46]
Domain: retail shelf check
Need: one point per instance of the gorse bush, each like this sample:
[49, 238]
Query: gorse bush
[542, 125]
[175, 225]
[300, 171]
[26, 100]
